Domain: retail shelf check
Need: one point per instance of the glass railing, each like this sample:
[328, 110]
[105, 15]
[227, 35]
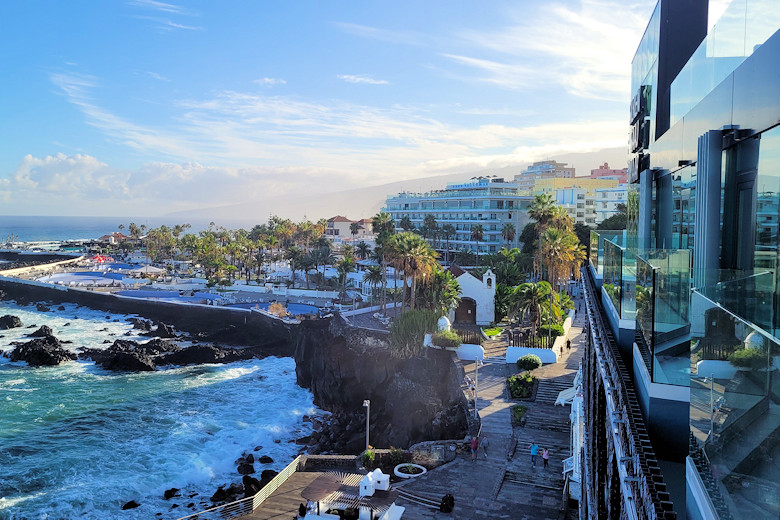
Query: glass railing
[662, 300]
[597, 239]
[747, 294]
[734, 411]
[743, 27]
[613, 273]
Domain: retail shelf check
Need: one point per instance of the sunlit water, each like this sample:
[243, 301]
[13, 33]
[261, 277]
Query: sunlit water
[77, 441]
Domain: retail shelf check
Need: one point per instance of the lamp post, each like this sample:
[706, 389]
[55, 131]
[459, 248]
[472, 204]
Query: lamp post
[477, 362]
[367, 404]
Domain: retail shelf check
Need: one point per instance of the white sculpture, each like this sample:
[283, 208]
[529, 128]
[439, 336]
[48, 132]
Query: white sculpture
[444, 324]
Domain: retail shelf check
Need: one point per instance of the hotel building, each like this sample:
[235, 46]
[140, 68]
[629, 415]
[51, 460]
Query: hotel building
[487, 201]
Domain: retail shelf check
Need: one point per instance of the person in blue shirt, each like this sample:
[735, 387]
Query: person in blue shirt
[534, 450]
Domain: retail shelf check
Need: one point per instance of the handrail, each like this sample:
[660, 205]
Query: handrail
[246, 505]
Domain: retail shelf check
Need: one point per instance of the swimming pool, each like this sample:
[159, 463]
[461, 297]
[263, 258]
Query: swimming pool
[292, 308]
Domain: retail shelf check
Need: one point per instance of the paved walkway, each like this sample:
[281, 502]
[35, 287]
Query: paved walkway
[500, 486]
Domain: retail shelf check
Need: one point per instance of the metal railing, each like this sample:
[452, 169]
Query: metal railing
[246, 505]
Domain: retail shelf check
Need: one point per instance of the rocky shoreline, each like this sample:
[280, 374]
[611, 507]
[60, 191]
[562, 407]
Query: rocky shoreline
[340, 364]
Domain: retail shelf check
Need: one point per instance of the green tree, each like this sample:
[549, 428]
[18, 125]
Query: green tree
[345, 266]
[448, 231]
[541, 210]
[477, 234]
[363, 250]
[406, 223]
[508, 232]
[384, 227]
[373, 277]
[354, 228]
[528, 299]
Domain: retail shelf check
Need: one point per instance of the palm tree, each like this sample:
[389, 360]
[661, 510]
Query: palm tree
[528, 299]
[406, 223]
[373, 277]
[383, 226]
[294, 255]
[362, 250]
[440, 293]
[541, 210]
[421, 263]
[448, 230]
[508, 232]
[343, 268]
[354, 228]
[477, 234]
[430, 227]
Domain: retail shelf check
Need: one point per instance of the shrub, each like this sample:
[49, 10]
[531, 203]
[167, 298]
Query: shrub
[446, 339]
[521, 385]
[749, 358]
[518, 411]
[492, 331]
[529, 362]
[408, 331]
[368, 458]
[551, 330]
[396, 456]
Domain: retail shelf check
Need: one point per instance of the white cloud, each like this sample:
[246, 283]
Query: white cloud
[585, 49]
[160, 6]
[350, 78]
[157, 76]
[268, 82]
[383, 35]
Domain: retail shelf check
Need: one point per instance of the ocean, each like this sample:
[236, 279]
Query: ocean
[77, 441]
[41, 229]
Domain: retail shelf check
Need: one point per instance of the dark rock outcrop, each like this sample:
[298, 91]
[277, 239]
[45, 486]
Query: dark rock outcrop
[163, 331]
[42, 332]
[130, 505]
[245, 468]
[170, 493]
[44, 351]
[42, 308]
[251, 486]
[412, 400]
[10, 322]
[141, 324]
[265, 459]
[220, 495]
[129, 362]
[200, 354]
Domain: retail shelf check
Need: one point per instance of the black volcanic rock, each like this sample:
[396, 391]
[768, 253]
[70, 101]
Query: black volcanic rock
[245, 468]
[140, 324]
[219, 495]
[44, 351]
[170, 493]
[251, 486]
[129, 362]
[42, 332]
[42, 308]
[10, 322]
[130, 505]
[265, 459]
[163, 331]
[200, 354]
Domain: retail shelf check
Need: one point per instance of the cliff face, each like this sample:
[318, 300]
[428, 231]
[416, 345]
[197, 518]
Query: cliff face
[412, 400]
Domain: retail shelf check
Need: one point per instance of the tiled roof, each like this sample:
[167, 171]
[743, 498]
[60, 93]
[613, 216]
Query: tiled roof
[339, 218]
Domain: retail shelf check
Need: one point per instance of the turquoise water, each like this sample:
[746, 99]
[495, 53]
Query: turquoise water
[79, 441]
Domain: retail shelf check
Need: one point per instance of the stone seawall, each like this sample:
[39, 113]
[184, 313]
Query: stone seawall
[412, 400]
[238, 326]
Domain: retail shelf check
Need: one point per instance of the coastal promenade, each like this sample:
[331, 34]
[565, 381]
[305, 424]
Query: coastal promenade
[505, 484]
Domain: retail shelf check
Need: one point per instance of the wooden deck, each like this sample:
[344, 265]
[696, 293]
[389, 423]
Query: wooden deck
[283, 503]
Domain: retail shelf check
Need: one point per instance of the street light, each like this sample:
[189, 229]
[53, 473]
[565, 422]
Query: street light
[367, 404]
[477, 362]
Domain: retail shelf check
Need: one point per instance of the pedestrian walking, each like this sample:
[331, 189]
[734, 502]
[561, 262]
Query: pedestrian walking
[534, 451]
[545, 457]
[474, 448]
[568, 344]
[484, 444]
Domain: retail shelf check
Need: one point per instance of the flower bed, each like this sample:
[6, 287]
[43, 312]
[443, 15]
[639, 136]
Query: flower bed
[409, 470]
[521, 386]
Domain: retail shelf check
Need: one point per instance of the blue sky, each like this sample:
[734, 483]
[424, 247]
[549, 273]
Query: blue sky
[145, 107]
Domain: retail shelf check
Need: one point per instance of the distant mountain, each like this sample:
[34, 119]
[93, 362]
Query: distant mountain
[367, 201]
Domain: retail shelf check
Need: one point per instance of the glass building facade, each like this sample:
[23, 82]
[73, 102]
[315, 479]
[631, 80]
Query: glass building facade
[694, 284]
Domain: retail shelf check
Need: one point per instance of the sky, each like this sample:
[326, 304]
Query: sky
[144, 107]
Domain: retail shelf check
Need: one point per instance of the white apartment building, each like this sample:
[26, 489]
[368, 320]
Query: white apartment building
[488, 201]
